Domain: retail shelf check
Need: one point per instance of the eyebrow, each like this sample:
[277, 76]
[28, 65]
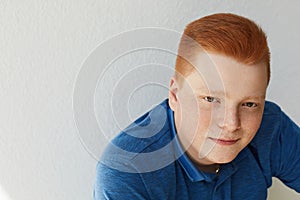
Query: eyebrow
[255, 97]
[221, 93]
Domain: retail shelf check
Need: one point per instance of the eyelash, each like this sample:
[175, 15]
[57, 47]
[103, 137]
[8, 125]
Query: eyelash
[210, 99]
[253, 104]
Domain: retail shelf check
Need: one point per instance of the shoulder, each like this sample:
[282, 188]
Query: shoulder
[273, 122]
[277, 139]
[140, 152]
[137, 147]
[271, 109]
[144, 131]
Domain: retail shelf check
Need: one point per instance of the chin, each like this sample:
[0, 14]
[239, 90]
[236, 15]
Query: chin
[223, 159]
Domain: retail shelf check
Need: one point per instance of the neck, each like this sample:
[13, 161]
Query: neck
[213, 168]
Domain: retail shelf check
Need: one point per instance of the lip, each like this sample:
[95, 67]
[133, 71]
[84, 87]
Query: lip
[224, 141]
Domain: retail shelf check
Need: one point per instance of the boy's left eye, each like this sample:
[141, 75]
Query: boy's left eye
[250, 104]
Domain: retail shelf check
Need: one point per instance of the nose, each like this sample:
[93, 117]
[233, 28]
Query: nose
[231, 120]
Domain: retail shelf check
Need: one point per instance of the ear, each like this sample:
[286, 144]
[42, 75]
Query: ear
[173, 94]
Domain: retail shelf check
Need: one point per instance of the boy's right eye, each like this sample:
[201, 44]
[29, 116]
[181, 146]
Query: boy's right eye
[210, 99]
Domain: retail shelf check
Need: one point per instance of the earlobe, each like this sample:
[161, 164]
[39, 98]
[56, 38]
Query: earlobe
[173, 90]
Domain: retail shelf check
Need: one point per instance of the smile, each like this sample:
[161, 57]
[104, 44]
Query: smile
[224, 141]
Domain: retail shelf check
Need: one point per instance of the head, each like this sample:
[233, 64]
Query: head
[218, 90]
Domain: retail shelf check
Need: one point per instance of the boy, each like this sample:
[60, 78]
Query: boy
[215, 137]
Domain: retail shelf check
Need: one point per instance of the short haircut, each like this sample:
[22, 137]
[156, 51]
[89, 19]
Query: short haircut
[223, 33]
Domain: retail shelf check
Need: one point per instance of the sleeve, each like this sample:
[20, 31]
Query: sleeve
[286, 153]
[112, 184]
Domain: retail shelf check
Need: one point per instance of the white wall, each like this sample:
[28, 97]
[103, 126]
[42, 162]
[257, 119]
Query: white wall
[43, 46]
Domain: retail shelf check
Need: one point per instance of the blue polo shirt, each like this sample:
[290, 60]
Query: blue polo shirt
[146, 161]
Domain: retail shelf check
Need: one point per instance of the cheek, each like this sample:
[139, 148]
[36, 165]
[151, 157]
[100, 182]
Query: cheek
[187, 115]
[205, 119]
[195, 121]
[189, 110]
[250, 124]
[197, 115]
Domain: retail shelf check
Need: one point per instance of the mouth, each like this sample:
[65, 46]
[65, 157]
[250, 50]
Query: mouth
[224, 142]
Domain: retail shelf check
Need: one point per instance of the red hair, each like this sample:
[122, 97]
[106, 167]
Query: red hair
[224, 33]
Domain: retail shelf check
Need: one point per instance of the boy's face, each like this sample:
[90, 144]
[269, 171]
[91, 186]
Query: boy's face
[218, 108]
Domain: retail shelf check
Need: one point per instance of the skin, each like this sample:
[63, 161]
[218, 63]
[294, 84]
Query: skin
[218, 107]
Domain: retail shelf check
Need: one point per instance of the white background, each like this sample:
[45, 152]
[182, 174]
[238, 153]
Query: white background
[43, 45]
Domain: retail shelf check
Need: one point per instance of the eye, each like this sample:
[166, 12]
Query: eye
[210, 99]
[250, 104]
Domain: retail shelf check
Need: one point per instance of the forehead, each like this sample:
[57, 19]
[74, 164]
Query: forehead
[218, 73]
